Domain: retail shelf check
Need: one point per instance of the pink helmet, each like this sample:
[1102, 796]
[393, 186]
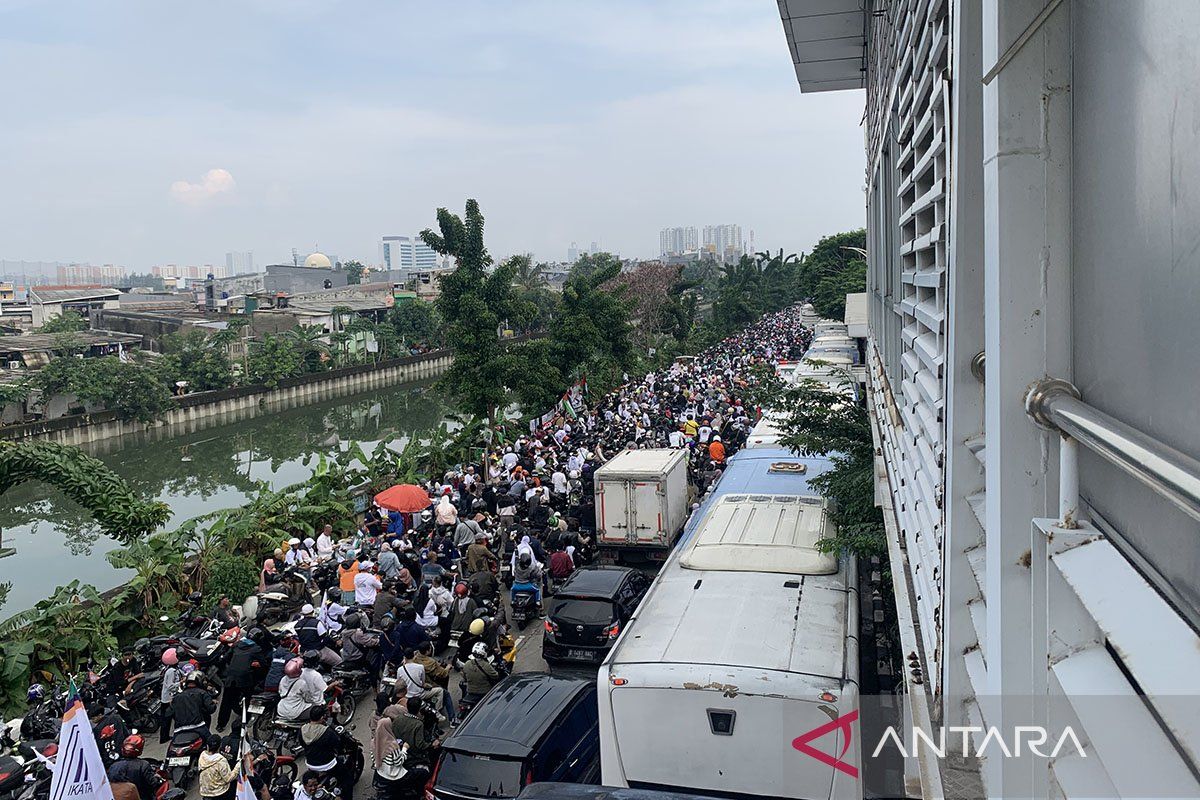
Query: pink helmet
[169, 657]
[294, 667]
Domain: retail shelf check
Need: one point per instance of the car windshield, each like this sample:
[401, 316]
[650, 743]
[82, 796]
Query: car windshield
[582, 611]
[478, 775]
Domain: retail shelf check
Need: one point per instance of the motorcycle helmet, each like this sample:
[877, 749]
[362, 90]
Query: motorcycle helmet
[169, 657]
[36, 693]
[460, 589]
[133, 746]
[477, 627]
[480, 650]
[187, 668]
[194, 598]
[310, 659]
[293, 667]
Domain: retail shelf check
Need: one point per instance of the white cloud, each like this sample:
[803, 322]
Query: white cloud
[213, 183]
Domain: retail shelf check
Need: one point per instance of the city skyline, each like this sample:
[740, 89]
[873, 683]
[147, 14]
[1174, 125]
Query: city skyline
[259, 145]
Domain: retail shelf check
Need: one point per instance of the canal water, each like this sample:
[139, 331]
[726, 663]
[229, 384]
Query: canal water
[194, 473]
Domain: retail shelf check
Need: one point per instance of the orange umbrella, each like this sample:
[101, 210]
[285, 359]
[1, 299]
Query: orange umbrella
[403, 497]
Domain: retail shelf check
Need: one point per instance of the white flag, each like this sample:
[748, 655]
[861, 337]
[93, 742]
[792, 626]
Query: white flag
[79, 772]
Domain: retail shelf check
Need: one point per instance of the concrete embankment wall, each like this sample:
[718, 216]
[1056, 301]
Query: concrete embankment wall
[203, 409]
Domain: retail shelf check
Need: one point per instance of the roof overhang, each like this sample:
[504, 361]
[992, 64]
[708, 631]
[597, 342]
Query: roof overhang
[828, 43]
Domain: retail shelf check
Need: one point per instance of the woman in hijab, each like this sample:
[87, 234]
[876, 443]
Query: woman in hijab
[389, 754]
[446, 514]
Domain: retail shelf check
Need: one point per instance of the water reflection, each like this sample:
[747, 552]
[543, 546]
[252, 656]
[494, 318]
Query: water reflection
[194, 471]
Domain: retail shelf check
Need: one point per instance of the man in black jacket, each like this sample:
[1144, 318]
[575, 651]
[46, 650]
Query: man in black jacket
[131, 768]
[244, 672]
[192, 709]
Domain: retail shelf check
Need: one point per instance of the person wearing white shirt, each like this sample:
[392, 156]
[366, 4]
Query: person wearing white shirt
[675, 438]
[559, 480]
[510, 460]
[702, 433]
[366, 585]
[325, 544]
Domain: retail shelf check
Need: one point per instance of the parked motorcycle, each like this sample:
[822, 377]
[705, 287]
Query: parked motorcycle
[183, 753]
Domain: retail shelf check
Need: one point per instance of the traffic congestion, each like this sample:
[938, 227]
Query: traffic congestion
[450, 647]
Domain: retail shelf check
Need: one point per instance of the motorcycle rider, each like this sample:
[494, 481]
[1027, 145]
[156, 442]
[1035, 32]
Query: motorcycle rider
[527, 571]
[244, 672]
[409, 728]
[462, 609]
[121, 674]
[132, 768]
[366, 585]
[192, 709]
[358, 646]
[479, 557]
[386, 602]
[172, 677]
[479, 675]
[484, 584]
[437, 673]
[561, 565]
[310, 636]
[224, 613]
[321, 745]
[301, 688]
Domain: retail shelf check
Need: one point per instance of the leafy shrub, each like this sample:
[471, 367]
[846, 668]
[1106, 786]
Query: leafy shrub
[231, 574]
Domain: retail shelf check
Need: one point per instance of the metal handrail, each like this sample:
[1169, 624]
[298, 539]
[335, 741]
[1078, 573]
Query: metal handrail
[1056, 405]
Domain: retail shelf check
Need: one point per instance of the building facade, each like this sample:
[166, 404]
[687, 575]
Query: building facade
[407, 253]
[725, 241]
[239, 263]
[676, 241]
[1033, 196]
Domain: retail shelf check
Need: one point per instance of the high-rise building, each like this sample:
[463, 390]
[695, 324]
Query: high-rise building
[237, 263]
[676, 241]
[407, 252]
[573, 253]
[725, 240]
[90, 274]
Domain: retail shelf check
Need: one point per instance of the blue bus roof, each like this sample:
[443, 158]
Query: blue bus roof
[749, 472]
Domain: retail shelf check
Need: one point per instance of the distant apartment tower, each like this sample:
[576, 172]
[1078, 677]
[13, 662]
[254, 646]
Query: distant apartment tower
[193, 271]
[674, 241]
[408, 252]
[90, 274]
[573, 253]
[725, 241]
[239, 263]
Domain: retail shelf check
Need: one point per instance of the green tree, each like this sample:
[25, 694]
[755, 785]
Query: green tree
[309, 343]
[134, 390]
[472, 304]
[86, 480]
[591, 263]
[199, 359]
[415, 322]
[527, 276]
[274, 358]
[65, 322]
[591, 332]
[828, 421]
[354, 271]
[831, 255]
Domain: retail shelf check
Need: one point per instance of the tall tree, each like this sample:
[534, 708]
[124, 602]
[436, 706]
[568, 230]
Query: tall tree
[472, 304]
[527, 276]
[591, 263]
[354, 271]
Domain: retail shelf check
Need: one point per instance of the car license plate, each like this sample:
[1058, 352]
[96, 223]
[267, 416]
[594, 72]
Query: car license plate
[179, 761]
[608, 559]
[257, 708]
[580, 655]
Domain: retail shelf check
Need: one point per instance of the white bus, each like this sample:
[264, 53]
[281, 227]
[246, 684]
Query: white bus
[746, 641]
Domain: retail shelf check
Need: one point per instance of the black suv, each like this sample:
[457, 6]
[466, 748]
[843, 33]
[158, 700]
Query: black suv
[587, 613]
[529, 727]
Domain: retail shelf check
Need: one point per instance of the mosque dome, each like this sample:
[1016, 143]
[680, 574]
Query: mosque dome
[318, 260]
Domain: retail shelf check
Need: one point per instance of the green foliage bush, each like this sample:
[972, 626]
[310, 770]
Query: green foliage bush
[231, 574]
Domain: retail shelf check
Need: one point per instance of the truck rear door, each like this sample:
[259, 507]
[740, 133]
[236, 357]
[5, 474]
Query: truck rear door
[647, 514]
[613, 512]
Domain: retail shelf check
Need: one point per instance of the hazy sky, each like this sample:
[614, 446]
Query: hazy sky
[154, 132]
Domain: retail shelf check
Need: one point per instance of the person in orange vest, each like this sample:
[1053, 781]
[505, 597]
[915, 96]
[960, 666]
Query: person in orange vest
[716, 450]
[347, 572]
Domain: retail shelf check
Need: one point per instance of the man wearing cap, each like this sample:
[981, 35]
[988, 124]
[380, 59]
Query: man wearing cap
[310, 636]
[366, 585]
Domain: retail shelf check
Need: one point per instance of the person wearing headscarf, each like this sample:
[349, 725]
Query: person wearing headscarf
[446, 513]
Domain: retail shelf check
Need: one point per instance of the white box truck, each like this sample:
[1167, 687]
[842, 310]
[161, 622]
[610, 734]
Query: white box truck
[641, 504]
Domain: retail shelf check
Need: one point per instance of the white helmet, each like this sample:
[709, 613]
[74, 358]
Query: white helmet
[480, 649]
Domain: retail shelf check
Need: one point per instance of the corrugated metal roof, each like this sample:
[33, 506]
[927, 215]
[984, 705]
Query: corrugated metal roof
[67, 295]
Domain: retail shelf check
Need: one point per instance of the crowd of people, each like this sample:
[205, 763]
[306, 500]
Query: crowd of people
[409, 586]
